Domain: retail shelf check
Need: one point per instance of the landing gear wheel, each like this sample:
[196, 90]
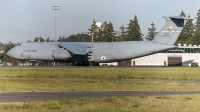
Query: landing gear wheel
[95, 64]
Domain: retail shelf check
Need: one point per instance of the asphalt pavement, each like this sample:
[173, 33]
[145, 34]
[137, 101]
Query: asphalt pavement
[46, 96]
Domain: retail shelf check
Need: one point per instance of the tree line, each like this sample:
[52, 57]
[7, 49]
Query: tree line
[72, 38]
[103, 33]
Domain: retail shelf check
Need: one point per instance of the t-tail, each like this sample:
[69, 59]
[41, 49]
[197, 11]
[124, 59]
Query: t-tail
[171, 30]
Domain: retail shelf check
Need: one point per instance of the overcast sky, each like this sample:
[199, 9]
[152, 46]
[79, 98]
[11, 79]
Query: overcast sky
[23, 20]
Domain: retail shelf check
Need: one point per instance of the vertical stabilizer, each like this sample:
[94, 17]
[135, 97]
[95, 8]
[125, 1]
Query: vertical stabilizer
[171, 30]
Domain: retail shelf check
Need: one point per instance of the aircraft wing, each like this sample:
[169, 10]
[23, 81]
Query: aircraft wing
[74, 48]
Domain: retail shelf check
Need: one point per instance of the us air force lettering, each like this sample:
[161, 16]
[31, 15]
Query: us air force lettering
[100, 52]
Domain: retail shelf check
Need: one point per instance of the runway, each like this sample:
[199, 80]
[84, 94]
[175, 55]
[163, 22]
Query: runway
[46, 96]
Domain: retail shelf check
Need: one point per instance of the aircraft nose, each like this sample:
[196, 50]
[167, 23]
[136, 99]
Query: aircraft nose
[11, 53]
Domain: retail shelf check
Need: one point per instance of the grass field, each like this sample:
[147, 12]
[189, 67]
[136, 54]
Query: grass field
[173, 103]
[98, 79]
[104, 79]
[173, 73]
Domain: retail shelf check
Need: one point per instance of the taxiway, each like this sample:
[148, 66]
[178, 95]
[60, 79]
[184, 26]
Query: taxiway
[46, 96]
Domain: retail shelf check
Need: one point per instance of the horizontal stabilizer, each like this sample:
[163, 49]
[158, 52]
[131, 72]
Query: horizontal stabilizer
[180, 17]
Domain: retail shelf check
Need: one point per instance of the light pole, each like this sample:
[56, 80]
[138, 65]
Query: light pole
[55, 8]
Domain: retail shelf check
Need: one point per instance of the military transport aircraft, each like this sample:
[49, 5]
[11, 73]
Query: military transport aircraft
[86, 53]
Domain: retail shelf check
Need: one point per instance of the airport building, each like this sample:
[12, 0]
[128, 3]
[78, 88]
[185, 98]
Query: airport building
[181, 56]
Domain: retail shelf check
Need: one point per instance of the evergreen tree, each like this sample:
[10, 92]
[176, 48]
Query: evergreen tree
[108, 34]
[122, 34]
[63, 39]
[133, 31]
[59, 39]
[189, 31]
[195, 39]
[6, 58]
[83, 37]
[130, 30]
[186, 33]
[49, 40]
[112, 33]
[197, 24]
[151, 32]
[71, 38]
[100, 33]
[78, 38]
[104, 33]
[93, 31]
[36, 39]
[182, 14]
[40, 39]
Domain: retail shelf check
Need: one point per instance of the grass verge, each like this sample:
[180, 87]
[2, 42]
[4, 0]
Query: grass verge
[98, 79]
[178, 103]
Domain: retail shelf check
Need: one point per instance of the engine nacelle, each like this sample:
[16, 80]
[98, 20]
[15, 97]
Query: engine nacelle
[60, 54]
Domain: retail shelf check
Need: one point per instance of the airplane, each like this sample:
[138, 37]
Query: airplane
[93, 53]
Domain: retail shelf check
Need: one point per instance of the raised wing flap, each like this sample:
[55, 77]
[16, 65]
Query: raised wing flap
[74, 48]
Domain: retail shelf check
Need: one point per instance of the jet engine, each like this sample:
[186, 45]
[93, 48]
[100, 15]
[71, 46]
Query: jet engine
[60, 54]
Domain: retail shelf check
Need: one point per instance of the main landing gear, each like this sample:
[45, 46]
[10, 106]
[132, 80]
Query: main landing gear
[84, 64]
